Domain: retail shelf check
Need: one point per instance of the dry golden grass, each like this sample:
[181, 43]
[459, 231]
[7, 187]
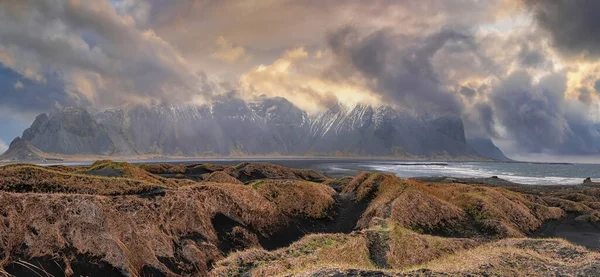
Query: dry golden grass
[131, 232]
[566, 205]
[27, 178]
[408, 248]
[221, 177]
[297, 198]
[451, 209]
[193, 169]
[53, 211]
[246, 172]
[164, 168]
[313, 252]
[498, 210]
[129, 171]
[198, 169]
[365, 183]
[520, 257]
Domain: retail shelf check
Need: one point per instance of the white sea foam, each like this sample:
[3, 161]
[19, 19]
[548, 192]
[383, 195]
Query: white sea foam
[469, 170]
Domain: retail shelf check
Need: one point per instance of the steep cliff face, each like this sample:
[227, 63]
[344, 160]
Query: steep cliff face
[267, 126]
[69, 131]
[486, 148]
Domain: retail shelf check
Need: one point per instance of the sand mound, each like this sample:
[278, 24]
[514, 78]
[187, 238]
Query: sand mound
[109, 168]
[246, 172]
[520, 257]
[164, 168]
[450, 209]
[509, 257]
[29, 178]
[370, 249]
[221, 177]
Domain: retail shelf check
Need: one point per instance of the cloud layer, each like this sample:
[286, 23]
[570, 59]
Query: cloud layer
[524, 72]
[100, 56]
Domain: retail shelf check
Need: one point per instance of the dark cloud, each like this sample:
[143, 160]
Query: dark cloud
[597, 85]
[532, 113]
[540, 119]
[572, 24]
[486, 118]
[584, 95]
[584, 138]
[399, 67]
[467, 92]
[531, 58]
[479, 122]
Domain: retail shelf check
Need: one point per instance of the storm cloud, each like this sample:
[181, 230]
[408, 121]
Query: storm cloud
[532, 112]
[398, 68]
[572, 25]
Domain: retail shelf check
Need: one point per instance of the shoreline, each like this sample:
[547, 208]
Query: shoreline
[150, 158]
[339, 166]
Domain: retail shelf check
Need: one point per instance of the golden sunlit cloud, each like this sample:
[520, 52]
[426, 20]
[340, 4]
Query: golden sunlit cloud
[228, 52]
[295, 76]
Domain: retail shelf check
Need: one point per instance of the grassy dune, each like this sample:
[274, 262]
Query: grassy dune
[119, 219]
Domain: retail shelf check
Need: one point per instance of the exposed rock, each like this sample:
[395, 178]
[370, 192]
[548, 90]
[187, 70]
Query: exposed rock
[69, 131]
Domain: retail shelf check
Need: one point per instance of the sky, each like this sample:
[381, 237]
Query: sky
[525, 73]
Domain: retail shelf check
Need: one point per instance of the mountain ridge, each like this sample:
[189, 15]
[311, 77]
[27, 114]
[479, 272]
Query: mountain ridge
[266, 126]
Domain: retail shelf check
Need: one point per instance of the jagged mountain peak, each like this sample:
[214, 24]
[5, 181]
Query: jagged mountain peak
[69, 130]
[262, 126]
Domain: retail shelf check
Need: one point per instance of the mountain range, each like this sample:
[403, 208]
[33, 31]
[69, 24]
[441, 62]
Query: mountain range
[267, 126]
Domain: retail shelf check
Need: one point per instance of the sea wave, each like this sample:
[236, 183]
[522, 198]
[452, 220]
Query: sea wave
[470, 171]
